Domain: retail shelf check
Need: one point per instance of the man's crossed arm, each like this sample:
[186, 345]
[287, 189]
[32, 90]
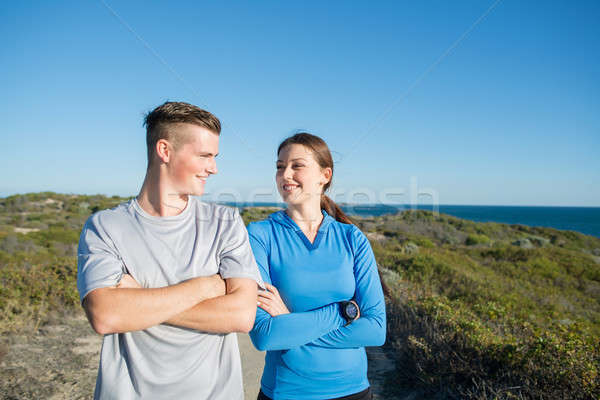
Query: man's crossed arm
[207, 304]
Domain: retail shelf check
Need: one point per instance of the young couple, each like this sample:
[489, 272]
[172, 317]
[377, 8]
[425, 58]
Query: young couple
[168, 279]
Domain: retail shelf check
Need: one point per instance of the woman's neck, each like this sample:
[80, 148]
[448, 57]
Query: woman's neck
[308, 217]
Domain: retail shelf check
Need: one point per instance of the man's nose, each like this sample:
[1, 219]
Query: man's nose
[212, 168]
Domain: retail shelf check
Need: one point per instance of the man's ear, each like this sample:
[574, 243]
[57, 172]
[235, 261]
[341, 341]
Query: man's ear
[163, 150]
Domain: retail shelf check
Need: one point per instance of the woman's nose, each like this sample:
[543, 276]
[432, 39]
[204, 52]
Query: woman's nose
[287, 172]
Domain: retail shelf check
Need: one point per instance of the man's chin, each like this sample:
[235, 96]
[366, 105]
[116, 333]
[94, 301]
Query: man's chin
[197, 192]
[191, 192]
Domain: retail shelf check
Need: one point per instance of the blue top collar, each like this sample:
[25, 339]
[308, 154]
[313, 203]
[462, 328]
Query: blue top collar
[282, 218]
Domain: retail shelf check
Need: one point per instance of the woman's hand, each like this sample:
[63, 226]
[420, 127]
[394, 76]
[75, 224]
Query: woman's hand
[270, 301]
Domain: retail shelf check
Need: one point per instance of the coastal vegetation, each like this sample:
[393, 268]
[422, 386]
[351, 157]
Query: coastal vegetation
[38, 255]
[488, 310]
[476, 310]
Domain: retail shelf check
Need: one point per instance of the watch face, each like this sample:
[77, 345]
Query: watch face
[351, 310]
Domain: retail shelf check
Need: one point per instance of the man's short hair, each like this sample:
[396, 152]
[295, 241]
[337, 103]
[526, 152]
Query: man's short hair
[159, 121]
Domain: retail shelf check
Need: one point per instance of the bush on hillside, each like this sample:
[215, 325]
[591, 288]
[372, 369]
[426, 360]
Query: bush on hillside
[475, 239]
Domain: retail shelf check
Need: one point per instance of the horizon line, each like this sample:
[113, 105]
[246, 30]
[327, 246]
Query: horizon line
[393, 205]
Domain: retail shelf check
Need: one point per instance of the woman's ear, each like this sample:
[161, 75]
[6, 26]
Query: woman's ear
[327, 172]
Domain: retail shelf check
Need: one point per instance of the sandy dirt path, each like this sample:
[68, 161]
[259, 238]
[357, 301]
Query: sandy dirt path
[60, 361]
[253, 362]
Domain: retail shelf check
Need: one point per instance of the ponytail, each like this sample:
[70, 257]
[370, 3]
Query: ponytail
[334, 210]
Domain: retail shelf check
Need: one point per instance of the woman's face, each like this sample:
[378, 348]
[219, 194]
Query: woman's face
[299, 177]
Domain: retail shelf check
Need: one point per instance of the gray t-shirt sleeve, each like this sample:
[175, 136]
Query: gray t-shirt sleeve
[236, 259]
[98, 264]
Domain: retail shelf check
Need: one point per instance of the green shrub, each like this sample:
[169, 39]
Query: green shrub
[474, 239]
[424, 242]
[29, 292]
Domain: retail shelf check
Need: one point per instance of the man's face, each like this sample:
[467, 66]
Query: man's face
[194, 161]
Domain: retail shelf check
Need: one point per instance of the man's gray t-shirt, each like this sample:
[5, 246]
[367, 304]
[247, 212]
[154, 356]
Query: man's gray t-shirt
[163, 361]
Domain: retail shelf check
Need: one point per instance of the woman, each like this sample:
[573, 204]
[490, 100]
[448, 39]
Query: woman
[324, 300]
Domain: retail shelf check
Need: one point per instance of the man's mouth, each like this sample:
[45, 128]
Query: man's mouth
[202, 178]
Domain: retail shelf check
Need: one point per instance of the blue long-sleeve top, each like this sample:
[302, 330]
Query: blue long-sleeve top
[311, 354]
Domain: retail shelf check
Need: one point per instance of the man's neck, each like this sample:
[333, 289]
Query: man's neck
[160, 200]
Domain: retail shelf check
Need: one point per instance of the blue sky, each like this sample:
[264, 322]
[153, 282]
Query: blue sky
[509, 116]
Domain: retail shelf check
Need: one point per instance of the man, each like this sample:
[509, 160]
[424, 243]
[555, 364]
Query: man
[166, 278]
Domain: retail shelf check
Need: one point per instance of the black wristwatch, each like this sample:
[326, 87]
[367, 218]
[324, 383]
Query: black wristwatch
[349, 311]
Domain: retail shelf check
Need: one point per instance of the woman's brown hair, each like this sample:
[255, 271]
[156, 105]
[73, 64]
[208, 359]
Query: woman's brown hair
[323, 157]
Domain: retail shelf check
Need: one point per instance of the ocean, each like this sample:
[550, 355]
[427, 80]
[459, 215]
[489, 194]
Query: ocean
[580, 219]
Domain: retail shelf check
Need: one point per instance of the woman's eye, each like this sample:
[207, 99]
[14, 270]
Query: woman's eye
[279, 167]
